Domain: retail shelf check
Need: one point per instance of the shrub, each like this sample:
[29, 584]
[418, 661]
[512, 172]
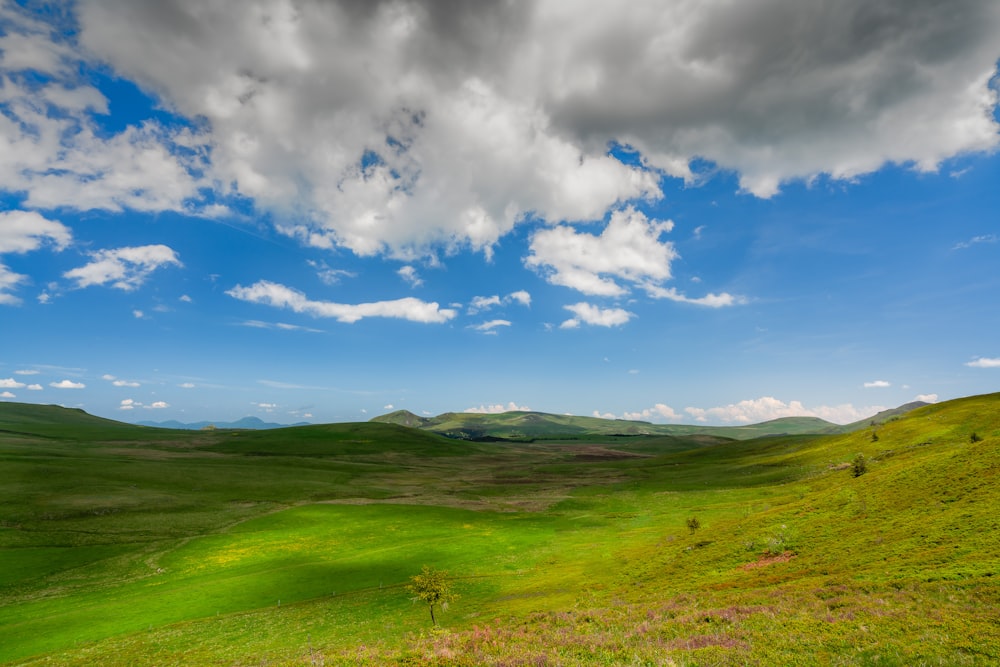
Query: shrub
[859, 466]
[693, 524]
[975, 437]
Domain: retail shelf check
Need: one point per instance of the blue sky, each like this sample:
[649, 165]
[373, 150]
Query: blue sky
[319, 212]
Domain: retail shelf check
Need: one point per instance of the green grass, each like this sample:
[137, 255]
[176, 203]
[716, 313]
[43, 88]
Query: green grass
[174, 549]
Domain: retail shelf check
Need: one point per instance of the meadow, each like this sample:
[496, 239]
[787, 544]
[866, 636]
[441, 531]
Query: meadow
[124, 545]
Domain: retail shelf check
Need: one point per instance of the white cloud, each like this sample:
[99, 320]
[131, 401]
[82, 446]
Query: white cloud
[7, 394]
[767, 408]
[158, 405]
[186, 385]
[589, 314]
[125, 383]
[8, 281]
[498, 408]
[128, 404]
[490, 327]
[279, 296]
[52, 151]
[660, 411]
[520, 296]
[24, 231]
[479, 303]
[21, 232]
[185, 298]
[926, 398]
[26, 372]
[124, 268]
[10, 383]
[67, 384]
[388, 406]
[389, 126]
[985, 238]
[34, 387]
[410, 275]
[627, 250]
[984, 362]
[138, 314]
[710, 300]
[877, 384]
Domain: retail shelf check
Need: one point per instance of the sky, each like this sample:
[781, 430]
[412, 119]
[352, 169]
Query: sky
[323, 211]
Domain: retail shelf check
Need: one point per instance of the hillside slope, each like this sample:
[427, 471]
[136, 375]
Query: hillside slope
[517, 425]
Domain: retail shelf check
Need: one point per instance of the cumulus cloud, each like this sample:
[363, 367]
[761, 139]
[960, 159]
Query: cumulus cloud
[158, 405]
[877, 384]
[590, 314]
[984, 362]
[410, 275]
[21, 232]
[767, 408]
[498, 408]
[34, 387]
[479, 303]
[24, 231]
[658, 412]
[53, 151]
[391, 126]
[128, 404]
[279, 296]
[627, 250]
[10, 383]
[124, 268]
[67, 384]
[926, 398]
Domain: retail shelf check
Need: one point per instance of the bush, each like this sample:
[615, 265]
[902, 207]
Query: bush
[859, 466]
[693, 524]
[975, 437]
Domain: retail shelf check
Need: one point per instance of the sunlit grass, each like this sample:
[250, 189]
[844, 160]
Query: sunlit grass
[114, 556]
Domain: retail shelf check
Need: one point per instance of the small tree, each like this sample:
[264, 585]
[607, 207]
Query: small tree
[693, 524]
[431, 586]
[859, 466]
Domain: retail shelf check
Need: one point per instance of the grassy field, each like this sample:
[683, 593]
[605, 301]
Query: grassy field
[122, 545]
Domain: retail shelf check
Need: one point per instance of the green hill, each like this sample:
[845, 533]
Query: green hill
[293, 547]
[540, 425]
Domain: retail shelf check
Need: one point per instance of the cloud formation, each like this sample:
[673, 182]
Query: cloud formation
[877, 384]
[125, 268]
[984, 362]
[21, 232]
[490, 326]
[389, 127]
[280, 296]
[767, 408]
[587, 313]
[67, 384]
[54, 152]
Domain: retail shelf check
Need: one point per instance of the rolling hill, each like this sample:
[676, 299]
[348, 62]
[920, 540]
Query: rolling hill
[520, 425]
[123, 545]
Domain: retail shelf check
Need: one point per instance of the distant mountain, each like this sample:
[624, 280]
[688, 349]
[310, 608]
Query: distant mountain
[249, 423]
[524, 425]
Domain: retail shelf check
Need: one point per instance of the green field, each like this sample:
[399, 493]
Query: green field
[124, 545]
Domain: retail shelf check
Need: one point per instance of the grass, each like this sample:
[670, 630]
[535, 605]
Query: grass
[175, 549]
